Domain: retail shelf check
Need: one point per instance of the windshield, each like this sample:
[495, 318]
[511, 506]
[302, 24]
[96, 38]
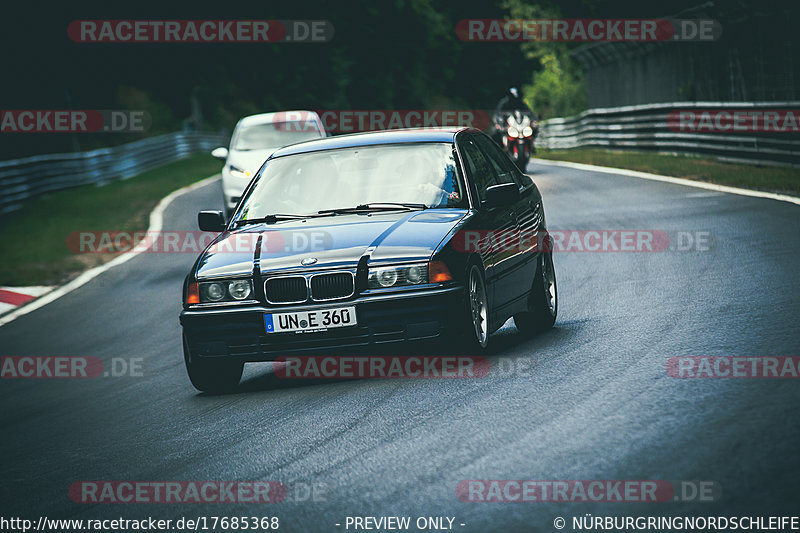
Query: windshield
[272, 135]
[307, 183]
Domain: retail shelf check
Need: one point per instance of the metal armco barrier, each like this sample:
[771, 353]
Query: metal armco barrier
[23, 179]
[645, 127]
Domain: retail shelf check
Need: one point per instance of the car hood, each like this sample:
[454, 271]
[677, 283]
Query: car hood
[335, 242]
[250, 160]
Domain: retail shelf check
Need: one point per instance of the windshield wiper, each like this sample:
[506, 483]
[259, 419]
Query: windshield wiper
[270, 219]
[374, 206]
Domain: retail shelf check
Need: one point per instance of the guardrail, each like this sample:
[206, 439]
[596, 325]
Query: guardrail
[653, 127]
[23, 179]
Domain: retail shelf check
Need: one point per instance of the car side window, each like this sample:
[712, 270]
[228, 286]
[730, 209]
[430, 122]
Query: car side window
[506, 172]
[480, 169]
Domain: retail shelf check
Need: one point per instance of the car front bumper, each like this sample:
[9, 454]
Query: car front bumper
[383, 319]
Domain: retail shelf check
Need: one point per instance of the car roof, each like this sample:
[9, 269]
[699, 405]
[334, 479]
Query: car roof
[267, 118]
[415, 135]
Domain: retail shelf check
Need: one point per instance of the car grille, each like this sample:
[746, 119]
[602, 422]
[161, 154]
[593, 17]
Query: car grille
[294, 289]
[286, 290]
[332, 286]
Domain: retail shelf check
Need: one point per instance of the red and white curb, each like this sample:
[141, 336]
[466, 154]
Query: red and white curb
[14, 297]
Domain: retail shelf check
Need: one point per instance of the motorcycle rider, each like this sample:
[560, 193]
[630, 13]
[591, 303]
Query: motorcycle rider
[515, 128]
[511, 102]
[506, 106]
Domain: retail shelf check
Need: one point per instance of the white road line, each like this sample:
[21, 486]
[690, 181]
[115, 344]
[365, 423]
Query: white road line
[669, 179]
[156, 225]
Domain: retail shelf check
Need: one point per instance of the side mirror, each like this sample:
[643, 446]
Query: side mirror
[211, 221]
[501, 195]
[220, 153]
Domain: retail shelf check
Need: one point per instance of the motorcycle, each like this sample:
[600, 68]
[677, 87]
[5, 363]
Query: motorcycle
[518, 134]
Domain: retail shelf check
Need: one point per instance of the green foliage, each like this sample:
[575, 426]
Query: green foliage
[558, 90]
[558, 87]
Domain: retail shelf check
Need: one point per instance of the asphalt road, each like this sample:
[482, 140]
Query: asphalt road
[595, 402]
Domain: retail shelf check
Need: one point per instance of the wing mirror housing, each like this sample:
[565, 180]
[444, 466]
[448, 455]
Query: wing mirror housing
[501, 195]
[220, 153]
[211, 221]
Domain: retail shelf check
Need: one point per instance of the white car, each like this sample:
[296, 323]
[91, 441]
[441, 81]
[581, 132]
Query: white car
[254, 139]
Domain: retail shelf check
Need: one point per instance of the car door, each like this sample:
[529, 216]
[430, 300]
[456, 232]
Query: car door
[493, 224]
[526, 214]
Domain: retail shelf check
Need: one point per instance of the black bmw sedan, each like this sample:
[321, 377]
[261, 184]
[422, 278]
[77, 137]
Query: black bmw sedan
[369, 239]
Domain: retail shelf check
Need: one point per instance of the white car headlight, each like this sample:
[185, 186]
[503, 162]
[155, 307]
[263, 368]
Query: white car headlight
[237, 172]
[397, 276]
[239, 289]
[214, 292]
[225, 291]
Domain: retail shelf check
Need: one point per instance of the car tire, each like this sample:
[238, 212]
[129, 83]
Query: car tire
[542, 301]
[472, 334]
[212, 376]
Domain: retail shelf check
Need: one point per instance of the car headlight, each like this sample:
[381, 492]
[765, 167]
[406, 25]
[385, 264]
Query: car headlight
[386, 277]
[527, 131]
[239, 289]
[512, 132]
[416, 274]
[220, 291]
[397, 276]
[213, 292]
[237, 172]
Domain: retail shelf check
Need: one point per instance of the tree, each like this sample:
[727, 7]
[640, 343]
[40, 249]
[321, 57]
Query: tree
[558, 88]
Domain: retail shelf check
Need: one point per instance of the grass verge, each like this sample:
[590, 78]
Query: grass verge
[774, 179]
[33, 240]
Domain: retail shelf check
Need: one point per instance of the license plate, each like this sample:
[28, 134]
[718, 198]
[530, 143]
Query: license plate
[310, 321]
